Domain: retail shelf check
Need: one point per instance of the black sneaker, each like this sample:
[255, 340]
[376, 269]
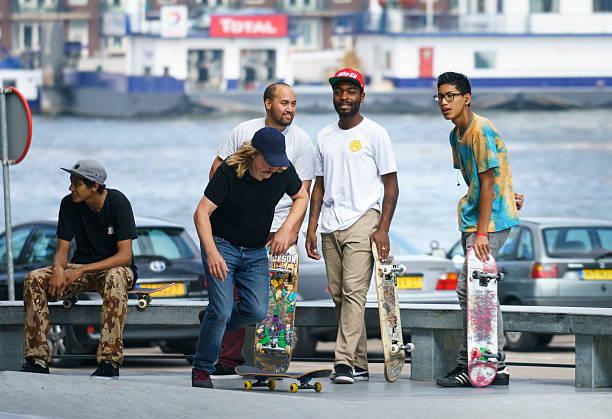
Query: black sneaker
[502, 378]
[359, 374]
[31, 365]
[343, 374]
[456, 378]
[107, 370]
[223, 371]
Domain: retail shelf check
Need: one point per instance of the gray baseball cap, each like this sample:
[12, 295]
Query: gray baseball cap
[88, 169]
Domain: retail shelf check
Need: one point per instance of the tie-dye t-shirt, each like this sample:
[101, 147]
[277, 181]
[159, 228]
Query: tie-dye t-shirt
[481, 148]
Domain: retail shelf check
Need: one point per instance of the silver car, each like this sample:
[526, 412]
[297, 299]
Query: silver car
[553, 262]
[428, 279]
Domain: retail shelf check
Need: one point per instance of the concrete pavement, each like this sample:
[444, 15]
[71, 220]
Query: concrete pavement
[72, 394]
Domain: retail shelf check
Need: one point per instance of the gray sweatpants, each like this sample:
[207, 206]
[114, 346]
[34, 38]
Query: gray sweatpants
[496, 241]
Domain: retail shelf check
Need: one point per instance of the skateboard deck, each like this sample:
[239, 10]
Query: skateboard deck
[143, 295]
[274, 335]
[482, 303]
[266, 379]
[389, 315]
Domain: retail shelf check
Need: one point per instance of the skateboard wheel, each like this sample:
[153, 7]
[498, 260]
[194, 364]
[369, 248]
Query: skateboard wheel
[410, 347]
[476, 275]
[318, 387]
[142, 303]
[248, 385]
[67, 303]
[476, 353]
[293, 388]
[402, 269]
[500, 276]
[501, 356]
[288, 350]
[271, 385]
[395, 349]
[386, 270]
[258, 347]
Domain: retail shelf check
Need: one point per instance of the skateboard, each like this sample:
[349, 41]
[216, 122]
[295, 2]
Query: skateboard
[389, 315]
[483, 354]
[266, 379]
[274, 335]
[143, 295]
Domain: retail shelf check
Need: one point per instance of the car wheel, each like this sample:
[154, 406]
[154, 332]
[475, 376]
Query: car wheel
[521, 341]
[61, 342]
[544, 340]
[305, 343]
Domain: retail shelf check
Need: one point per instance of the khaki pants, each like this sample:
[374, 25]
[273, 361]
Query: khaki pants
[111, 284]
[349, 263]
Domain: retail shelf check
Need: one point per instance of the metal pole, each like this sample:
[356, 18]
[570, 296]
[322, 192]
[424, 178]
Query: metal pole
[8, 233]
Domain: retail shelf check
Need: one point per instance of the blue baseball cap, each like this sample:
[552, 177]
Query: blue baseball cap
[271, 143]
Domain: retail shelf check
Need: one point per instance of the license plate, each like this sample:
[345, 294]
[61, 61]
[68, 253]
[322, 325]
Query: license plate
[596, 274]
[176, 290]
[409, 282]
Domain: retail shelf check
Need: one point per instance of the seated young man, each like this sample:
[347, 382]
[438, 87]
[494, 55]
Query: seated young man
[102, 223]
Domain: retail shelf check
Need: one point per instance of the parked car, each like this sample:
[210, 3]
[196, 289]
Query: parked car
[428, 279]
[163, 253]
[553, 262]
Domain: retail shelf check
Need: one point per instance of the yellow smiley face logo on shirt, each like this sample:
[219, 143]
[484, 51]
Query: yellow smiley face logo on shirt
[355, 146]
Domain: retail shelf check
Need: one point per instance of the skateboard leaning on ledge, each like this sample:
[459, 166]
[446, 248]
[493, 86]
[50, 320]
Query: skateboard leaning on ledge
[142, 294]
[389, 315]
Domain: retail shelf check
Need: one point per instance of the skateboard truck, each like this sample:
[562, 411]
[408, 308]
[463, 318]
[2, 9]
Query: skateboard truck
[396, 348]
[484, 354]
[397, 269]
[485, 278]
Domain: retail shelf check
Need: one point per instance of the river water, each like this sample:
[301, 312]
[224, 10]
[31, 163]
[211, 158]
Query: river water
[561, 161]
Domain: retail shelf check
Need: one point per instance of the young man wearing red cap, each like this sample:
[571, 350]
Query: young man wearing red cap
[354, 167]
[233, 221]
[280, 104]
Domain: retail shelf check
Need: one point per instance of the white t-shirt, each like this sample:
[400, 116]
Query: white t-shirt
[351, 163]
[299, 149]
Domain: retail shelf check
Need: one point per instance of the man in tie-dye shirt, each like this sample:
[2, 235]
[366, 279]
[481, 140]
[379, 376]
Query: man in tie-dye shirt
[489, 209]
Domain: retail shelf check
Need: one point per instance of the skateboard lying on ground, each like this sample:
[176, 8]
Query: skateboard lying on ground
[274, 334]
[143, 295]
[266, 379]
[389, 315]
[483, 354]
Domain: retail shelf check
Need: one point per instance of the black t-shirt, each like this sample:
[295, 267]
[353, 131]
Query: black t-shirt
[245, 207]
[97, 233]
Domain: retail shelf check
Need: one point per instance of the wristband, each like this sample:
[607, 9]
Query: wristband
[482, 235]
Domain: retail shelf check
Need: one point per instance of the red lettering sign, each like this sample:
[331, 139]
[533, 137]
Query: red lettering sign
[264, 26]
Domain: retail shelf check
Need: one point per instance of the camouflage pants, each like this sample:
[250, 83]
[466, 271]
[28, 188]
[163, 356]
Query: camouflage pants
[111, 284]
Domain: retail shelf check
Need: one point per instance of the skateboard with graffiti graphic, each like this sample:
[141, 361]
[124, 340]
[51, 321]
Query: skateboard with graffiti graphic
[274, 335]
[483, 354]
[389, 315]
[267, 379]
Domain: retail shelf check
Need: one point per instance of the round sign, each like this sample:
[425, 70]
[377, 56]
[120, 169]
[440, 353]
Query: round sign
[19, 126]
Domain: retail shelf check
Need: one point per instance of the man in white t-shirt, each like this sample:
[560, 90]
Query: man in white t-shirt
[280, 104]
[354, 167]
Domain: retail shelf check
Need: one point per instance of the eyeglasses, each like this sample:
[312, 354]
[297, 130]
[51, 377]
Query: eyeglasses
[448, 96]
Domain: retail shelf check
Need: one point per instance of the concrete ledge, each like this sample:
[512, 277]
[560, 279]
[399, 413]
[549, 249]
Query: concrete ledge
[435, 329]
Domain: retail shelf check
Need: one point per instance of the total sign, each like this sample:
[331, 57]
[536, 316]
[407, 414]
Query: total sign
[173, 21]
[255, 26]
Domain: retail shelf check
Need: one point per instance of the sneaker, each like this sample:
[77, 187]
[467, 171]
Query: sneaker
[200, 378]
[343, 374]
[35, 366]
[456, 378]
[107, 369]
[360, 374]
[502, 378]
[223, 371]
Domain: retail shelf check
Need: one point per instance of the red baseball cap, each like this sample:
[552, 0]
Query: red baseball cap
[348, 74]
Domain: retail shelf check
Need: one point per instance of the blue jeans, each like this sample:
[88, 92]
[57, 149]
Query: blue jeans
[248, 270]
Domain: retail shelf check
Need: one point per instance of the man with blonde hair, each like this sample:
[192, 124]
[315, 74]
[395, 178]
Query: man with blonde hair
[233, 220]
